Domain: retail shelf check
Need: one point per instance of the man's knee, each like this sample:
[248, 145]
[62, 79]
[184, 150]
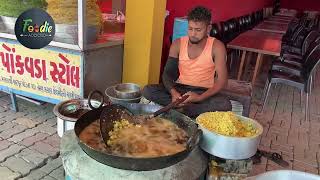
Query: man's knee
[156, 93]
[221, 103]
[147, 91]
[151, 91]
[225, 104]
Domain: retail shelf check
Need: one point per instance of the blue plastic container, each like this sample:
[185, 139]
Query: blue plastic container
[180, 27]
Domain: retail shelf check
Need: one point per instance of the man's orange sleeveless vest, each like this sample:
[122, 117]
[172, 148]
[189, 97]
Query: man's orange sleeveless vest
[196, 72]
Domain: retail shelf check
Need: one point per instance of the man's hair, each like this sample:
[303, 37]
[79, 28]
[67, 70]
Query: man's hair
[200, 14]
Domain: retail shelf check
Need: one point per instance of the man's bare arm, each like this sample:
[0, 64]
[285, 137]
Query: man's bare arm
[171, 72]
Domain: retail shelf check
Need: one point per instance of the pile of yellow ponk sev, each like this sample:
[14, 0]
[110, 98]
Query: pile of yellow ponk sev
[226, 123]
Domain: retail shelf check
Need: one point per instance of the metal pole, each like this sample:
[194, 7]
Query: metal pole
[82, 38]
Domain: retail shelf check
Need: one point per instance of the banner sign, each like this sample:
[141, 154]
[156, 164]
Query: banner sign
[44, 74]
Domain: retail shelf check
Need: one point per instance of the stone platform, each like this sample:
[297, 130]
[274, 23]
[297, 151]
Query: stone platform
[78, 165]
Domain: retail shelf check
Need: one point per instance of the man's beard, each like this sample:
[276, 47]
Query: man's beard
[196, 42]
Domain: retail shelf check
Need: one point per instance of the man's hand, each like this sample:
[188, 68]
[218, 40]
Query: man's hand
[175, 95]
[193, 97]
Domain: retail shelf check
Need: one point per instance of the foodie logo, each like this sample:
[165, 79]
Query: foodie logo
[34, 28]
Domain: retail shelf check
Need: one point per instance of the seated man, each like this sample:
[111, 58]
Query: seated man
[197, 67]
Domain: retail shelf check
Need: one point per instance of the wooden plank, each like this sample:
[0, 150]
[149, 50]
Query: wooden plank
[270, 30]
[271, 27]
[240, 47]
[247, 65]
[241, 64]
[258, 62]
[286, 14]
[263, 59]
[274, 21]
[279, 19]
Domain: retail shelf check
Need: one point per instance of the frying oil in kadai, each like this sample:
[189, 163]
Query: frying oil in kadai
[155, 137]
[91, 136]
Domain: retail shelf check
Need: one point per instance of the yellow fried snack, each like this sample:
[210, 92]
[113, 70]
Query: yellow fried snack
[66, 12]
[117, 126]
[226, 123]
